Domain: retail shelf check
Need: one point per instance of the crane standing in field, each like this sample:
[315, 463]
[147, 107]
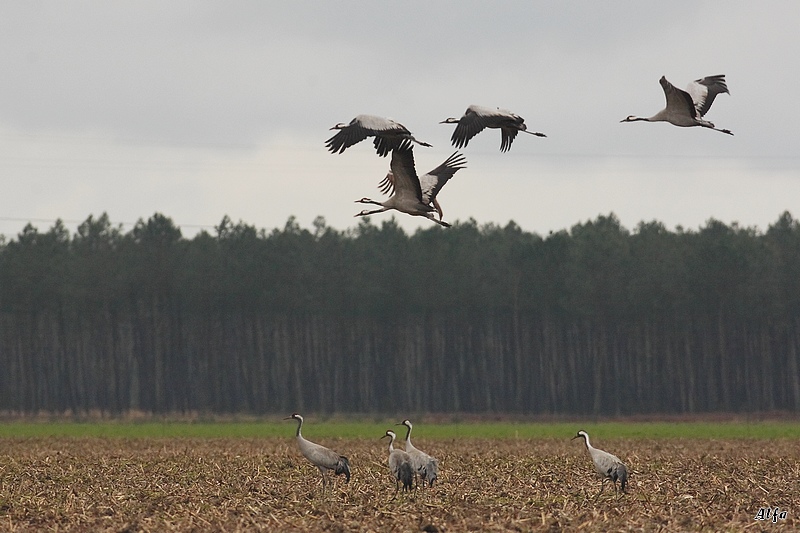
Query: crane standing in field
[408, 194]
[476, 118]
[687, 108]
[320, 456]
[607, 466]
[399, 465]
[388, 134]
[425, 466]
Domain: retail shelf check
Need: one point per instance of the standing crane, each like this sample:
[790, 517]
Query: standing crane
[476, 118]
[388, 134]
[687, 108]
[409, 196]
[323, 458]
[426, 467]
[607, 466]
[399, 465]
[430, 183]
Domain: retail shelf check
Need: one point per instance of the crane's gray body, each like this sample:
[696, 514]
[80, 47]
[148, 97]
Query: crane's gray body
[388, 134]
[425, 466]
[607, 466]
[688, 108]
[323, 458]
[476, 118]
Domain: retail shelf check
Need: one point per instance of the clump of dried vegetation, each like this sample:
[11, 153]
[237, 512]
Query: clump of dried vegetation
[484, 485]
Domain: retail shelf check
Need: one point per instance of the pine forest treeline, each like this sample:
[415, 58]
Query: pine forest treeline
[595, 320]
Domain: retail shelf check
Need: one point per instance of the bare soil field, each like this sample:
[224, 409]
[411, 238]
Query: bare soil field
[75, 484]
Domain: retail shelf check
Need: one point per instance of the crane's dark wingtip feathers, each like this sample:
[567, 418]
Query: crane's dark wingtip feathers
[382, 146]
[456, 161]
[334, 147]
[459, 142]
[717, 79]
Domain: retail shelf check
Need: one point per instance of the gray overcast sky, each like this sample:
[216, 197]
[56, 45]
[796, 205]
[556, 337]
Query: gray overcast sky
[200, 109]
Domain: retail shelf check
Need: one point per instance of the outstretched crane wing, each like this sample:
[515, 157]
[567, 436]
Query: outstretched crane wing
[406, 181]
[678, 100]
[704, 90]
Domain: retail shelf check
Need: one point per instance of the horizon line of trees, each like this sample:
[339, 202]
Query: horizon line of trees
[598, 319]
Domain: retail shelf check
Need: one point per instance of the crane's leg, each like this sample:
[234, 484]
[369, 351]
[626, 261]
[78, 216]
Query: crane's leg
[396, 487]
[440, 222]
[710, 125]
[602, 486]
[324, 479]
[537, 133]
[437, 207]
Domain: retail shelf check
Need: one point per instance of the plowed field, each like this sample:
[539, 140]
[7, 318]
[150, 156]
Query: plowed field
[185, 484]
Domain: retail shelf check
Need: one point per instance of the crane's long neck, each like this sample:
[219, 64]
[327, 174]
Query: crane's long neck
[391, 443]
[368, 201]
[661, 116]
[372, 212]
[408, 434]
[586, 441]
[299, 425]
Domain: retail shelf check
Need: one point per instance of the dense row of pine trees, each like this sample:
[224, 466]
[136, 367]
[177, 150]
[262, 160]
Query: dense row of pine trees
[597, 319]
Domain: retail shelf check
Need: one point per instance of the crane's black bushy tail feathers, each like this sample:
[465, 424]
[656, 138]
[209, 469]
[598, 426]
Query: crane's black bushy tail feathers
[343, 467]
[622, 475]
[431, 472]
[406, 476]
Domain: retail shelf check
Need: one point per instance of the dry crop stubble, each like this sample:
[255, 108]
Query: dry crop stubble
[184, 484]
